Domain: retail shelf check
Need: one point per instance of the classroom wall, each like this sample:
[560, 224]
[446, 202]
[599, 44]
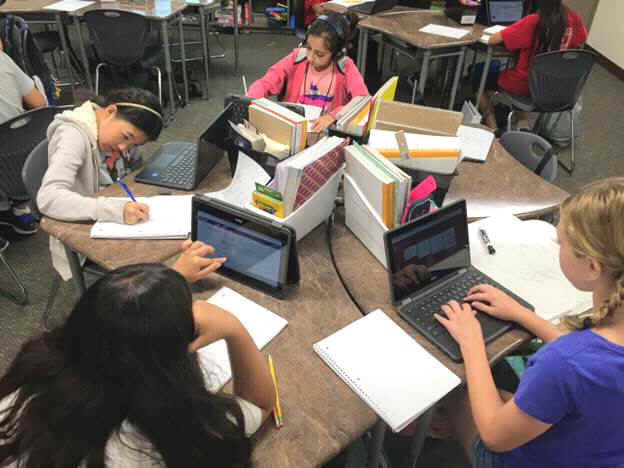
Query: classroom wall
[605, 28]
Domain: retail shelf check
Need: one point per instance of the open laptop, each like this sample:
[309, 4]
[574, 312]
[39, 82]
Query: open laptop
[429, 264]
[376, 6]
[503, 12]
[183, 165]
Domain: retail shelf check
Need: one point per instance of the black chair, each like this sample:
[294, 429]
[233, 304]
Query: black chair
[556, 80]
[121, 39]
[533, 151]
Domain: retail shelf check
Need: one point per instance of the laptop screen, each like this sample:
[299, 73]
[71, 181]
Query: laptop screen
[505, 11]
[427, 250]
[249, 251]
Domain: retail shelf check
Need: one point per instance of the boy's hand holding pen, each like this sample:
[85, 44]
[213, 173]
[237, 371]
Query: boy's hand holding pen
[134, 212]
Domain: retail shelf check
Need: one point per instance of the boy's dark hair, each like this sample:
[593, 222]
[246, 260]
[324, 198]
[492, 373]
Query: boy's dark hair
[120, 356]
[324, 28]
[150, 122]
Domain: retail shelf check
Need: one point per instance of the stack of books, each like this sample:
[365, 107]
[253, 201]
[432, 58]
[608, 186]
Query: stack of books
[298, 178]
[279, 123]
[353, 117]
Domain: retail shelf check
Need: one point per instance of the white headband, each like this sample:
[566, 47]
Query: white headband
[140, 106]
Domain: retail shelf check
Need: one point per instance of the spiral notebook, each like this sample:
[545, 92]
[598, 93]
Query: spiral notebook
[388, 369]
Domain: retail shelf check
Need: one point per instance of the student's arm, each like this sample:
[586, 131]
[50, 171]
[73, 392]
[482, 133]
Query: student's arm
[495, 39]
[493, 301]
[57, 198]
[520, 34]
[250, 370]
[34, 99]
[273, 80]
[502, 425]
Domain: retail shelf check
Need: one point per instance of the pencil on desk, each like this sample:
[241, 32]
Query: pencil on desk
[277, 411]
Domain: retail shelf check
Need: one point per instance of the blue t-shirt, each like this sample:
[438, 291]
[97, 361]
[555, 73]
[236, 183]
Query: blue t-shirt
[575, 383]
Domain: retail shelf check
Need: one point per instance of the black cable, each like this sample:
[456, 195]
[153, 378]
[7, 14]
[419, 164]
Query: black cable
[330, 223]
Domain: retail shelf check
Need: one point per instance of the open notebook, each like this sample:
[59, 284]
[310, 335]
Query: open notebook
[170, 218]
[390, 371]
[262, 324]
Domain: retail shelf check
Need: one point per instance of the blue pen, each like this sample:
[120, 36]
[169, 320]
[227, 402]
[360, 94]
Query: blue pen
[126, 189]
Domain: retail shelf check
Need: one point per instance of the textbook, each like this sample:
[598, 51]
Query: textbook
[279, 123]
[430, 153]
[262, 324]
[169, 218]
[385, 93]
[385, 367]
[353, 117]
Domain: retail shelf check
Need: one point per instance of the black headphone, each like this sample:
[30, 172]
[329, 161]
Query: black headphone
[339, 29]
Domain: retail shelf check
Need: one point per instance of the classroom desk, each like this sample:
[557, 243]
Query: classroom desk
[402, 27]
[491, 52]
[25, 7]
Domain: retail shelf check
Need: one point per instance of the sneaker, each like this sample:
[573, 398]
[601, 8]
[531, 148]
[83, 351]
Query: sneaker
[22, 222]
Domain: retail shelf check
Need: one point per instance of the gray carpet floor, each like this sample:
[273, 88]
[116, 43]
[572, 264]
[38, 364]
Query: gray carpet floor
[598, 155]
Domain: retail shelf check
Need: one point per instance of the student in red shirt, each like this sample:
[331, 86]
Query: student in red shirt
[553, 27]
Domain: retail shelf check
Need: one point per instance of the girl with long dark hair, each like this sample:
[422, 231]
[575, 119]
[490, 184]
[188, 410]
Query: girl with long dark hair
[119, 383]
[552, 27]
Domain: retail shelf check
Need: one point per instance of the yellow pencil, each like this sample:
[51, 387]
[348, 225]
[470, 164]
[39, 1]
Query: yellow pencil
[278, 408]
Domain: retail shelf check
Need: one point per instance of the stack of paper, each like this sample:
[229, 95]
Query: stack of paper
[301, 176]
[279, 123]
[475, 142]
[353, 118]
[385, 367]
[439, 154]
[169, 218]
[262, 324]
[527, 263]
[384, 186]
[385, 93]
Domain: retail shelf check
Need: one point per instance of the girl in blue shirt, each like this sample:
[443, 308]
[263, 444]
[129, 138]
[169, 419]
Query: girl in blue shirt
[568, 408]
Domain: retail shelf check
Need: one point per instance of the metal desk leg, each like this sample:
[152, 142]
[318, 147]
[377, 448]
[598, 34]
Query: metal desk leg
[83, 53]
[61, 29]
[424, 71]
[362, 51]
[76, 269]
[376, 445]
[183, 57]
[204, 36]
[484, 73]
[458, 72]
[235, 17]
[418, 439]
[165, 35]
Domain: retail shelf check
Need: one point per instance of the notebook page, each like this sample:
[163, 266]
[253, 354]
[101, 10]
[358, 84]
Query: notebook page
[68, 5]
[247, 173]
[262, 324]
[527, 262]
[169, 218]
[475, 142]
[389, 370]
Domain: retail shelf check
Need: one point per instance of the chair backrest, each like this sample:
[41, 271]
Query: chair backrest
[119, 37]
[532, 151]
[556, 79]
[18, 137]
[33, 171]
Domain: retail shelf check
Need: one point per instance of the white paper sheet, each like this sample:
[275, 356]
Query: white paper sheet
[68, 5]
[475, 142]
[446, 31]
[262, 324]
[494, 29]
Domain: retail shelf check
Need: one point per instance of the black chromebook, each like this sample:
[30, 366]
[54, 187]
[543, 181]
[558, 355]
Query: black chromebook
[428, 265]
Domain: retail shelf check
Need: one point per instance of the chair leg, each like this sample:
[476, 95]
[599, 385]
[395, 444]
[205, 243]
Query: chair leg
[56, 284]
[159, 74]
[97, 78]
[569, 169]
[509, 116]
[22, 298]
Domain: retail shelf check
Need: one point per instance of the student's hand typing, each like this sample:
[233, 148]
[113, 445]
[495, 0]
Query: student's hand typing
[212, 323]
[322, 123]
[135, 212]
[462, 324]
[193, 263]
[493, 301]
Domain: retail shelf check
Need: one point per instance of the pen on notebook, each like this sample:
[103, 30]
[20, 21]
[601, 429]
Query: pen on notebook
[277, 411]
[126, 189]
[244, 84]
[486, 241]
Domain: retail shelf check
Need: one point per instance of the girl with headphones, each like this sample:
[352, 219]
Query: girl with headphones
[319, 73]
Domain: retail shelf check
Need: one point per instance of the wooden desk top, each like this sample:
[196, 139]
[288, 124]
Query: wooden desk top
[152, 9]
[404, 25]
[26, 6]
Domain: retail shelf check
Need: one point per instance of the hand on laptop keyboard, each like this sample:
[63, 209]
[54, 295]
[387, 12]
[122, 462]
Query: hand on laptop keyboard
[486, 298]
[462, 324]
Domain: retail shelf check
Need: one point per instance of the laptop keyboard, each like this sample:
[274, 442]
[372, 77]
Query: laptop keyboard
[181, 170]
[419, 313]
